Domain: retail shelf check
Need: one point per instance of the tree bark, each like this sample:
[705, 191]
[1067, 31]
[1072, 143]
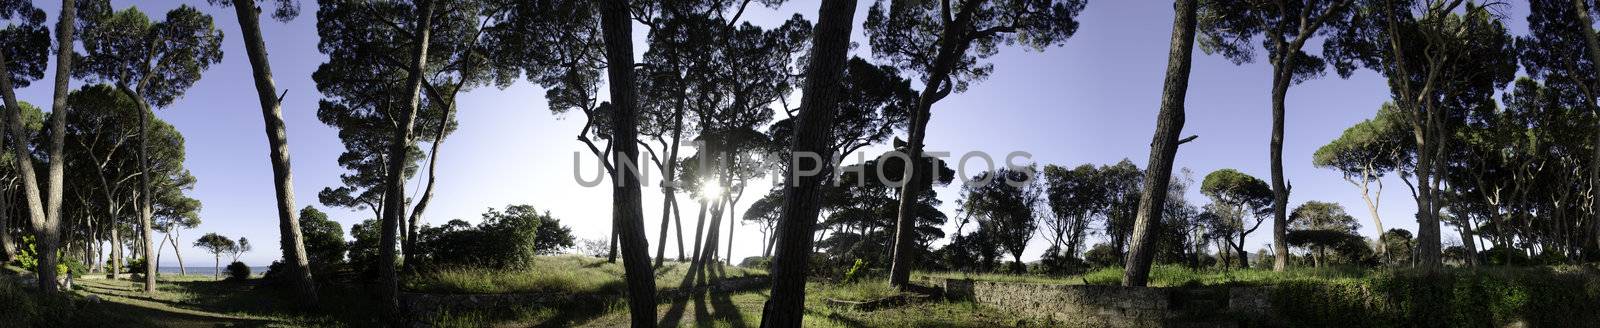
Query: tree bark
[394, 180]
[290, 238]
[146, 206]
[819, 100]
[627, 213]
[1163, 147]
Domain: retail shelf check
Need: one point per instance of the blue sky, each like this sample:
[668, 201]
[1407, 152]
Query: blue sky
[1093, 100]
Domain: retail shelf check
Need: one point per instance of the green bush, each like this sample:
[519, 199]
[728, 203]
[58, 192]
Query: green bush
[237, 271]
[1536, 297]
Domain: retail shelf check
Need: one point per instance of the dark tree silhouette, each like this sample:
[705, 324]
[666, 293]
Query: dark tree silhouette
[616, 27]
[1163, 147]
[944, 43]
[819, 101]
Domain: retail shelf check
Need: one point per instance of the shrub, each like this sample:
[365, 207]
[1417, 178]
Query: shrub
[756, 262]
[1101, 256]
[1056, 263]
[501, 240]
[237, 271]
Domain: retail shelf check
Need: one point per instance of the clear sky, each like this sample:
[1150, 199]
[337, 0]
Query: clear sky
[1093, 100]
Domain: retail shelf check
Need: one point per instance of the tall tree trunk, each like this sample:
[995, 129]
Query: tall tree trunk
[162, 246]
[7, 251]
[731, 220]
[699, 232]
[216, 266]
[290, 238]
[951, 48]
[182, 270]
[819, 102]
[1282, 75]
[611, 256]
[394, 180]
[669, 187]
[116, 251]
[627, 211]
[46, 221]
[427, 190]
[146, 206]
[677, 222]
[1163, 147]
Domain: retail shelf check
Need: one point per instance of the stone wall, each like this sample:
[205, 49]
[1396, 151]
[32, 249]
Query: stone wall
[1117, 306]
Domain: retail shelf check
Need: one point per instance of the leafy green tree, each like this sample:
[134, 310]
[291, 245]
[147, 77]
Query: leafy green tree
[944, 44]
[1163, 146]
[1321, 225]
[153, 63]
[1285, 27]
[1366, 152]
[1005, 206]
[1437, 63]
[324, 238]
[22, 62]
[1074, 196]
[1236, 197]
[216, 245]
[291, 240]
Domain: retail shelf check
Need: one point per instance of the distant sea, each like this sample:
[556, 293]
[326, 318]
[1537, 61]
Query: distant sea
[206, 270]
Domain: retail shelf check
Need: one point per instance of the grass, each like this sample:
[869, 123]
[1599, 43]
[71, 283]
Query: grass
[1176, 275]
[745, 309]
[197, 300]
[864, 290]
[552, 274]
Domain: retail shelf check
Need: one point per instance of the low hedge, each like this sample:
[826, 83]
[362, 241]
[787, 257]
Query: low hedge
[1500, 297]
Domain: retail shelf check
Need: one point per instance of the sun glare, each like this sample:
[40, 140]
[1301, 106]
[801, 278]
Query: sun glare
[711, 189]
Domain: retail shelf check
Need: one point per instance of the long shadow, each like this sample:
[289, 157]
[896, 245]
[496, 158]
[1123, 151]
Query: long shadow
[675, 312]
[723, 309]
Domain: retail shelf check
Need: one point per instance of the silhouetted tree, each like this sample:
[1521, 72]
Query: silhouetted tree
[819, 101]
[944, 43]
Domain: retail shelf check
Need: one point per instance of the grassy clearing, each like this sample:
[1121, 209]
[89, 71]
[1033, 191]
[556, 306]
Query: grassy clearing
[200, 301]
[553, 274]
